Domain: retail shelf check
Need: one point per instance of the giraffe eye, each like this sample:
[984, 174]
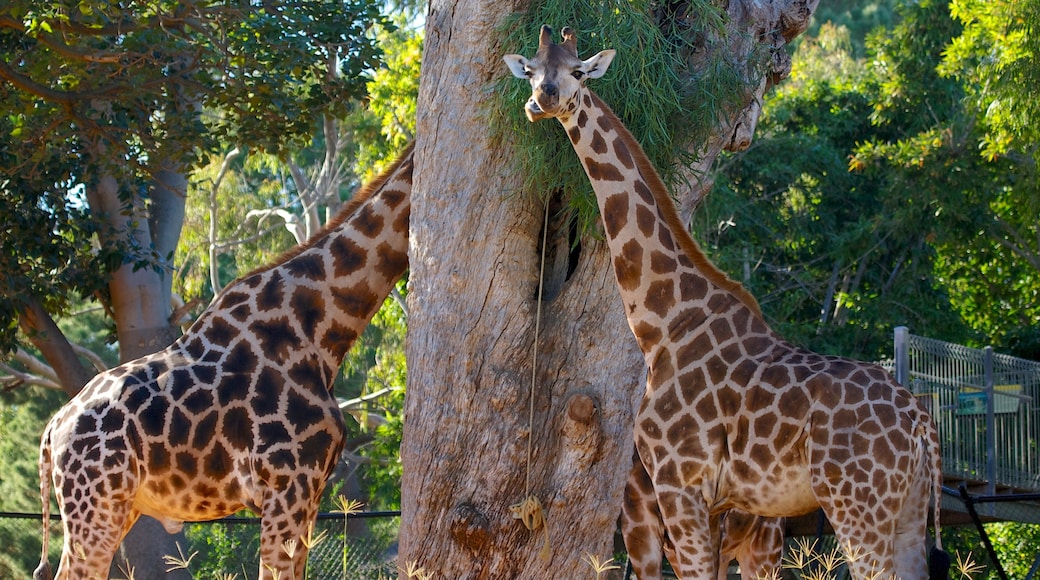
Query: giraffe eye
[577, 74]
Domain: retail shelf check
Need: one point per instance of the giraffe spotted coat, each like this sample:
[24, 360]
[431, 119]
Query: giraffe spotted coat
[238, 412]
[733, 417]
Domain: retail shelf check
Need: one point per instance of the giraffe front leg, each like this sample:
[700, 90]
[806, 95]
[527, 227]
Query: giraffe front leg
[692, 531]
[285, 536]
[641, 525]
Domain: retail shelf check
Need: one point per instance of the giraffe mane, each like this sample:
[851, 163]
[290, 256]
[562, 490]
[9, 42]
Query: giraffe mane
[670, 215]
[361, 195]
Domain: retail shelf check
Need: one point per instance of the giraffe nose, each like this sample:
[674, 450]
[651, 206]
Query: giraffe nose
[549, 89]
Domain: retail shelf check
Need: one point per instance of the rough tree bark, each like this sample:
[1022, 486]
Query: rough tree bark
[475, 242]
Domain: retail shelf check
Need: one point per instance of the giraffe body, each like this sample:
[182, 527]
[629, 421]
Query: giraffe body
[238, 412]
[733, 417]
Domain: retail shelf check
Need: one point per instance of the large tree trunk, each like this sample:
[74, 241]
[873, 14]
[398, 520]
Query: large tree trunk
[139, 302]
[475, 261]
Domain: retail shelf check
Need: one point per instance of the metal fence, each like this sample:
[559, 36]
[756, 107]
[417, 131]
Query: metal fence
[361, 546]
[986, 407]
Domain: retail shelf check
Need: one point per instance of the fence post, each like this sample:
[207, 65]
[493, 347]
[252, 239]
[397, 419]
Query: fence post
[991, 423]
[902, 356]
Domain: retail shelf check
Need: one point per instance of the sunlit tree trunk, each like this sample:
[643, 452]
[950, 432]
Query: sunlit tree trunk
[475, 263]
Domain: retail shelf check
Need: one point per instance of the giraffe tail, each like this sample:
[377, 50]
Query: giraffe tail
[938, 560]
[43, 571]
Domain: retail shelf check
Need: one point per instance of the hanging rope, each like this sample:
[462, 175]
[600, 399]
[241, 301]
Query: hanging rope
[530, 511]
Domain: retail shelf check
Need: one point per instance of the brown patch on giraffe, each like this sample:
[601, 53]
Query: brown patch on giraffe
[238, 428]
[390, 262]
[662, 369]
[348, 257]
[205, 429]
[309, 308]
[219, 333]
[660, 297]
[153, 417]
[158, 458]
[645, 195]
[628, 265]
[615, 214]
[692, 383]
[582, 119]
[302, 414]
[729, 401]
[400, 224]
[394, 197]
[667, 405]
[368, 222]
[179, 429]
[242, 359]
[357, 303]
[314, 450]
[661, 263]
[270, 296]
[622, 153]
[650, 429]
[647, 335]
[574, 134]
[338, 339]
[691, 352]
[692, 288]
[717, 370]
[186, 463]
[308, 266]
[598, 144]
[602, 171]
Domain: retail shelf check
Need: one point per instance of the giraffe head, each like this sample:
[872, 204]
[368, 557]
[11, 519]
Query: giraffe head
[556, 74]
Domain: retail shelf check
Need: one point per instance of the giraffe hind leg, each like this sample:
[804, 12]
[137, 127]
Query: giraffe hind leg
[92, 537]
[641, 526]
[284, 536]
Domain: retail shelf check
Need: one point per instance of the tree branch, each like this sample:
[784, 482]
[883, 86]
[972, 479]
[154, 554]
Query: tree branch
[45, 335]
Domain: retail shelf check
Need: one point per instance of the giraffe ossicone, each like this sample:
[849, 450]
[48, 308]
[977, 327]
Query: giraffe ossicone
[236, 413]
[734, 417]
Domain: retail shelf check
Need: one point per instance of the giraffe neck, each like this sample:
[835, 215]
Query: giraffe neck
[662, 273]
[316, 299]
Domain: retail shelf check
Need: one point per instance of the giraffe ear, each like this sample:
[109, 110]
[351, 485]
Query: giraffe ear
[518, 65]
[596, 66]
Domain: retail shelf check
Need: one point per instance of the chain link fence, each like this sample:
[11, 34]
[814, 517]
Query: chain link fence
[361, 546]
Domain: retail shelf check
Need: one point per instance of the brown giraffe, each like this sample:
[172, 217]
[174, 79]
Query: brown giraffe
[734, 417]
[238, 412]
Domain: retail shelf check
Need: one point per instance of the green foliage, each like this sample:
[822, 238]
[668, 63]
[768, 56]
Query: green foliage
[652, 87]
[393, 91]
[790, 213]
[97, 90]
[996, 56]
[377, 364]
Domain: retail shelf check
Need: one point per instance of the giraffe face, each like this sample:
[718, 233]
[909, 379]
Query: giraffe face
[557, 75]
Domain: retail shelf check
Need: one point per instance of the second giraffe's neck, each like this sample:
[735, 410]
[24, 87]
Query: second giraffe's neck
[331, 286]
[660, 269]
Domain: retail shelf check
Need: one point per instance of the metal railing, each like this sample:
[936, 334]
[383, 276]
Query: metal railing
[986, 407]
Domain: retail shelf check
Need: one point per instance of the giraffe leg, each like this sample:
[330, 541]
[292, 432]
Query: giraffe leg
[693, 532]
[641, 525]
[285, 529]
[755, 542]
[865, 538]
[93, 531]
[911, 533]
[96, 514]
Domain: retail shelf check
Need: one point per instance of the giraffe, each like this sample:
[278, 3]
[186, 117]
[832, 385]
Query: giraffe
[734, 417]
[755, 542]
[238, 412]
